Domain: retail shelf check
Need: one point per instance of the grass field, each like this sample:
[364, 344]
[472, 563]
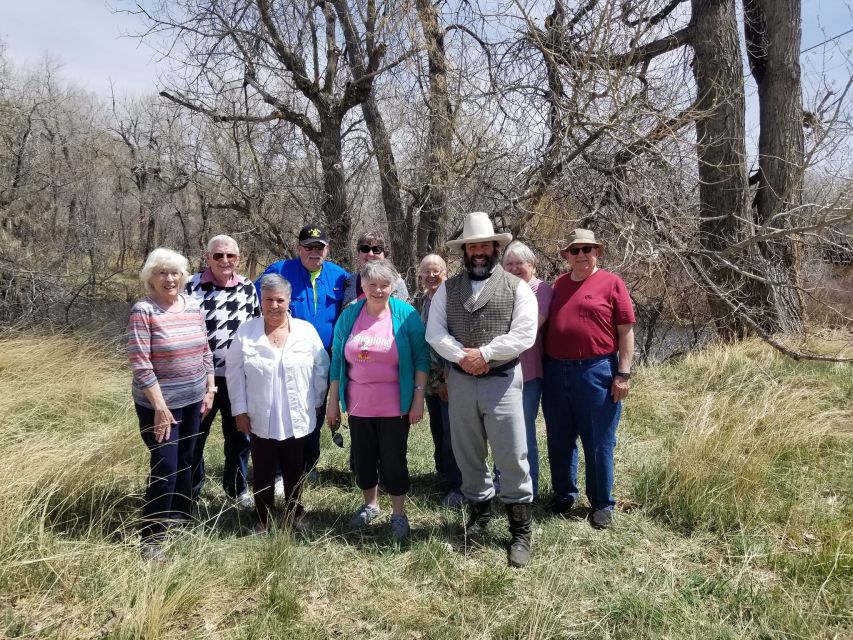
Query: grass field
[734, 475]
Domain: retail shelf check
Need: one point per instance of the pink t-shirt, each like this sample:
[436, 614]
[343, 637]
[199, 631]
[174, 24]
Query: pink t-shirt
[531, 360]
[373, 390]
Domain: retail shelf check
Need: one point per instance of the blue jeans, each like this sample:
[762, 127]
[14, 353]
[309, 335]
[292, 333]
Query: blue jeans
[170, 475]
[236, 446]
[530, 395]
[576, 402]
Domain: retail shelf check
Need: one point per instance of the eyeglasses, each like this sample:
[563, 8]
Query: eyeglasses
[314, 246]
[366, 248]
[219, 255]
[576, 250]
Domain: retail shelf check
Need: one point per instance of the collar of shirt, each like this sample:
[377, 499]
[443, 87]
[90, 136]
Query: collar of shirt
[207, 277]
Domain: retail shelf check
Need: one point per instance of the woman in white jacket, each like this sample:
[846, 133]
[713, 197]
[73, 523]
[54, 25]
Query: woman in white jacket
[277, 373]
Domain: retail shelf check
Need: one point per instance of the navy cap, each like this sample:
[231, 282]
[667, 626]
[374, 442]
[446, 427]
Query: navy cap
[311, 233]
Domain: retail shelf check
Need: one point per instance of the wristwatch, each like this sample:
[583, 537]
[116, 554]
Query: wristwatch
[622, 374]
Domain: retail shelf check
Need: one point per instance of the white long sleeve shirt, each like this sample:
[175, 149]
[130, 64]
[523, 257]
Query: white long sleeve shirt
[521, 335]
[280, 389]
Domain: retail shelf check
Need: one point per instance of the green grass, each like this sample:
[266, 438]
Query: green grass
[734, 476]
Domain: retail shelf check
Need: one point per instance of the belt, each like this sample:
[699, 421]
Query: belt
[583, 363]
[499, 371]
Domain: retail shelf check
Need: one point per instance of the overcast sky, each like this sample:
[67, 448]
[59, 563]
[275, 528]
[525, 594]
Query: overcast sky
[88, 39]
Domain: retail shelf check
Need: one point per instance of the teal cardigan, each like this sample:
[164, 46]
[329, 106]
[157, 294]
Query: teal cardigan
[411, 347]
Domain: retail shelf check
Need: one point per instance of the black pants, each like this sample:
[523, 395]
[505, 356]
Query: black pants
[379, 448]
[269, 455]
[235, 471]
[170, 477]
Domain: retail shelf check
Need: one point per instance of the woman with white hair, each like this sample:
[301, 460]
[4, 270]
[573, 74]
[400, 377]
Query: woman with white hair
[519, 260]
[173, 387]
[380, 363]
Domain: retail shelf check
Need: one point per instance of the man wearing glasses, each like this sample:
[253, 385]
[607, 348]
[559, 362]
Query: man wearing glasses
[227, 300]
[317, 296]
[589, 346]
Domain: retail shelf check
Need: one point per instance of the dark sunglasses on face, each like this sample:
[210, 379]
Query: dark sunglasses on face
[317, 246]
[365, 248]
[219, 256]
[576, 250]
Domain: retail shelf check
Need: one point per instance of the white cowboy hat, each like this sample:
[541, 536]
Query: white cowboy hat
[478, 228]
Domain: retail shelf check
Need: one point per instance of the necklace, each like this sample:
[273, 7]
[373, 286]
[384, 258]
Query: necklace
[278, 336]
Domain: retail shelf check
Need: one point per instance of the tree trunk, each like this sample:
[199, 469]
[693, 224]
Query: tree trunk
[399, 231]
[721, 151]
[334, 204]
[772, 30]
[432, 200]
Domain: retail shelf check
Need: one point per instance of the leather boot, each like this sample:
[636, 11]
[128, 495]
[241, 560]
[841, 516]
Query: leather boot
[520, 518]
[479, 516]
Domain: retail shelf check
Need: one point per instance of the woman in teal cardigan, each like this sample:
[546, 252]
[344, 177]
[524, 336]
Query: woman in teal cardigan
[380, 363]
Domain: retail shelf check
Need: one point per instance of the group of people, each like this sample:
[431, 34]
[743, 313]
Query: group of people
[309, 342]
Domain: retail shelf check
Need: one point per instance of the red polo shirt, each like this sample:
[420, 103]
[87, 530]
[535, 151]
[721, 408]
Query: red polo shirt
[583, 316]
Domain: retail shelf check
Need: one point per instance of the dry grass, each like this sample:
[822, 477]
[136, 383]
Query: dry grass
[735, 468]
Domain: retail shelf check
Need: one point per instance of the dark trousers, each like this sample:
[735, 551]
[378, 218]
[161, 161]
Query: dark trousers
[379, 448]
[312, 440]
[438, 413]
[268, 456]
[235, 471]
[170, 475]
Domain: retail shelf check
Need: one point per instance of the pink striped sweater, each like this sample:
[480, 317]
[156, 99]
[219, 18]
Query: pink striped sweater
[170, 349]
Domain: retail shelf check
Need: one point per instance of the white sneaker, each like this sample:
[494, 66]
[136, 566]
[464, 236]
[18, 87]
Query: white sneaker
[452, 499]
[245, 500]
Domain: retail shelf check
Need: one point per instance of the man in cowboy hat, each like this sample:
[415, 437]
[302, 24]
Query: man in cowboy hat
[317, 292]
[481, 320]
[589, 346]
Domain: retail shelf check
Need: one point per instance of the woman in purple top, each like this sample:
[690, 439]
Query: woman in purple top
[173, 386]
[520, 261]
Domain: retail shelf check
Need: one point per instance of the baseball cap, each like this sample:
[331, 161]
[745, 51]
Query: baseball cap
[311, 233]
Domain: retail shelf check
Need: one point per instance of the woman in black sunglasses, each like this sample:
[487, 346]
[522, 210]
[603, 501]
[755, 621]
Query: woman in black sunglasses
[371, 245]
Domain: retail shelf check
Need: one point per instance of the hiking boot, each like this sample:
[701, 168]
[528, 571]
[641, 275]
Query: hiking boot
[480, 514]
[364, 516]
[520, 518]
[400, 529]
[601, 518]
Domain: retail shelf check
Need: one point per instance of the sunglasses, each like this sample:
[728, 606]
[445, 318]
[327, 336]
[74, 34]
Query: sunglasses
[366, 248]
[218, 255]
[576, 250]
[316, 246]
[337, 438]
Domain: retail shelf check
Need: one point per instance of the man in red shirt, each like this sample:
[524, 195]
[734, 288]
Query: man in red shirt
[589, 346]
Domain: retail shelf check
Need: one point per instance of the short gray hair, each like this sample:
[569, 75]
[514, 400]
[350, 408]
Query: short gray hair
[222, 238]
[274, 282]
[521, 251]
[433, 257]
[164, 257]
[379, 270]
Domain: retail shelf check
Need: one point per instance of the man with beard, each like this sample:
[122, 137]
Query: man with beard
[481, 320]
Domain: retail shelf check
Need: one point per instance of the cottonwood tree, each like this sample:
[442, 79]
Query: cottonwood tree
[307, 63]
[743, 247]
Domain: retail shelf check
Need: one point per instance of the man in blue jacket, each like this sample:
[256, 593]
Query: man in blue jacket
[317, 294]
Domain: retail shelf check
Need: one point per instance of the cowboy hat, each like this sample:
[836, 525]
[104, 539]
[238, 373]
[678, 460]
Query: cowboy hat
[580, 236]
[478, 228]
